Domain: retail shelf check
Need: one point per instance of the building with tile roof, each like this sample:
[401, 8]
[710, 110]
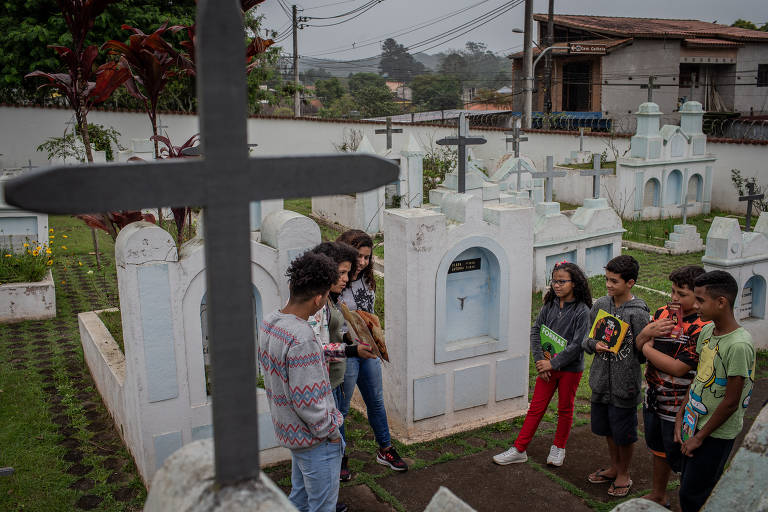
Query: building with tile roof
[600, 63]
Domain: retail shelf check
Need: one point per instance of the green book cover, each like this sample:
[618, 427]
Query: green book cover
[551, 342]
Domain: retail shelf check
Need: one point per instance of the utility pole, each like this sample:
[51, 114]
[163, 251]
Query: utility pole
[548, 62]
[296, 98]
[527, 65]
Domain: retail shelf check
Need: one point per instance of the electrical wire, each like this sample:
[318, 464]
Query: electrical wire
[353, 11]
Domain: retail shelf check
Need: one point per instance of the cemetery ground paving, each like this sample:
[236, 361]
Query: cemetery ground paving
[67, 454]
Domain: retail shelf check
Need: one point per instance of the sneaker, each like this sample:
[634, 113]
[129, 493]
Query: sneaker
[341, 507]
[390, 457]
[511, 456]
[346, 474]
[556, 456]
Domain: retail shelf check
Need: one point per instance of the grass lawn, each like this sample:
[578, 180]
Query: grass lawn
[656, 231]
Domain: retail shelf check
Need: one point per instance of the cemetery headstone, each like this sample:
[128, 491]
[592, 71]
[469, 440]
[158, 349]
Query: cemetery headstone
[549, 174]
[223, 183]
[596, 172]
[516, 139]
[19, 226]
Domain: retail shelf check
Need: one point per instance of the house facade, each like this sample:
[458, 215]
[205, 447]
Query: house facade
[603, 64]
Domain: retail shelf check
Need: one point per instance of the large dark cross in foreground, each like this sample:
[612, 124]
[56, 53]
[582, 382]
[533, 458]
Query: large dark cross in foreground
[389, 131]
[549, 174]
[750, 198]
[596, 172]
[223, 182]
[462, 141]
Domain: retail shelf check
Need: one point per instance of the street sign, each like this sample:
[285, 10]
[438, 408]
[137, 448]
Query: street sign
[586, 49]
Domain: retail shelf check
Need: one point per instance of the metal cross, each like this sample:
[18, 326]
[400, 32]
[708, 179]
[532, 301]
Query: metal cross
[750, 198]
[516, 139]
[389, 131]
[549, 175]
[224, 181]
[596, 172]
[29, 166]
[462, 141]
[650, 86]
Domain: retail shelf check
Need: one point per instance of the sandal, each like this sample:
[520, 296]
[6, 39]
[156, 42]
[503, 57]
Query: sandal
[620, 491]
[598, 478]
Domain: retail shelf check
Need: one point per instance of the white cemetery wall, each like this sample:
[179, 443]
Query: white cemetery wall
[452, 317]
[160, 400]
[25, 128]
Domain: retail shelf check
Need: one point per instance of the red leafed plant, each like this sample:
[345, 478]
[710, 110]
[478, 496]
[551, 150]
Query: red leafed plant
[112, 222]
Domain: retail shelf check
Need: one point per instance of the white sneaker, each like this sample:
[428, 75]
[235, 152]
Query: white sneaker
[511, 456]
[556, 456]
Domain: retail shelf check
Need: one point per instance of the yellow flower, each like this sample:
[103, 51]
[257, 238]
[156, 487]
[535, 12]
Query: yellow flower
[80, 263]
[7, 255]
[49, 262]
[64, 236]
[35, 252]
[64, 247]
[50, 230]
[26, 244]
[51, 237]
[48, 251]
[63, 282]
[38, 248]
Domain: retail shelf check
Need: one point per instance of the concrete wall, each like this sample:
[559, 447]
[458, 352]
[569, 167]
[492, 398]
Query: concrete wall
[748, 94]
[663, 57]
[24, 128]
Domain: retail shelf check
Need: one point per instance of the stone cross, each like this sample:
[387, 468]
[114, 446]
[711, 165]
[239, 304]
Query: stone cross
[650, 86]
[389, 131]
[750, 198]
[224, 181]
[581, 139]
[549, 174]
[462, 141]
[29, 166]
[596, 172]
[518, 170]
[684, 207]
[516, 139]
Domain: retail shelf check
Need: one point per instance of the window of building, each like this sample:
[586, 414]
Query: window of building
[762, 75]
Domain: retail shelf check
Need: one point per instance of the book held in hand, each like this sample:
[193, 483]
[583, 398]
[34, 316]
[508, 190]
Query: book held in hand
[551, 342]
[690, 418]
[609, 329]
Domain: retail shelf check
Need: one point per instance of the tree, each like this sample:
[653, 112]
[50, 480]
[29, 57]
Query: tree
[329, 90]
[312, 76]
[740, 23]
[397, 63]
[436, 92]
[371, 95]
[476, 66]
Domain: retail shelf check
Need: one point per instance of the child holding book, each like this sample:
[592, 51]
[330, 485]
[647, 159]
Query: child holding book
[615, 377]
[712, 414]
[669, 345]
[556, 347]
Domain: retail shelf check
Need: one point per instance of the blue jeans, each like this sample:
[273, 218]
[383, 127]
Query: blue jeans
[366, 374]
[315, 477]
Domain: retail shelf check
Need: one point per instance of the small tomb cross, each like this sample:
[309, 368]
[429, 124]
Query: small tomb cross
[29, 166]
[462, 141]
[389, 131]
[596, 172]
[650, 86]
[750, 198]
[581, 139]
[684, 207]
[224, 182]
[549, 174]
[516, 139]
[519, 171]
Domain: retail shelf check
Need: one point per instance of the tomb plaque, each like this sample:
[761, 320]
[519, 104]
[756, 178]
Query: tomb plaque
[465, 265]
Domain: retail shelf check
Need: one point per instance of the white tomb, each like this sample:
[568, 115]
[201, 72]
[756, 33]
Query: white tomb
[365, 210]
[19, 226]
[744, 255]
[156, 391]
[454, 315]
[667, 166]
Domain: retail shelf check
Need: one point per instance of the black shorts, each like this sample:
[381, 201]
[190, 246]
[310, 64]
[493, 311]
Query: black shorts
[660, 439]
[618, 423]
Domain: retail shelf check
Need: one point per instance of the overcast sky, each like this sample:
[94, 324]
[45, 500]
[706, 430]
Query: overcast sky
[392, 17]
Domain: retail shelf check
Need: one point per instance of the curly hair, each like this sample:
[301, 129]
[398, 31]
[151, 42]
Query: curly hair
[311, 274]
[685, 277]
[357, 239]
[625, 265]
[581, 290]
[719, 283]
[338, 252]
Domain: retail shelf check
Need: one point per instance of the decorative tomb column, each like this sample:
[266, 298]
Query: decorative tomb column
[457, 300]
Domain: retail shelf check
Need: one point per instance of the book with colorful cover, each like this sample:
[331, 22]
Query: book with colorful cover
[609, 329]
[551, 342]
[690, 419]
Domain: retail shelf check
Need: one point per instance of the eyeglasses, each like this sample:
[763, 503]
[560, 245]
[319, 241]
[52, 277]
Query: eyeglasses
[560, 282]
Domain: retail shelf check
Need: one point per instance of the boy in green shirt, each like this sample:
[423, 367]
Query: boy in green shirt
[713, 410]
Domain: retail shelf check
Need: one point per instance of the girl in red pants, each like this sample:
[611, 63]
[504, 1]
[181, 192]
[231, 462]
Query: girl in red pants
[556, 338]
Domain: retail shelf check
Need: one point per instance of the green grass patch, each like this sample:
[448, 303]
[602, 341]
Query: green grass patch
[656, 231]
[112, 320]
[589, 165]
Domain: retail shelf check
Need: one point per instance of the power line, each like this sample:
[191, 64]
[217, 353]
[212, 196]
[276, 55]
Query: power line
[353, 11]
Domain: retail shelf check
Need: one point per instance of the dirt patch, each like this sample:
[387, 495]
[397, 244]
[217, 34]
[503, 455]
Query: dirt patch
[61, 419]
[79, 469]
[67, 431]
[49, 389]
[88, 502]
[113, 463]
[483, 485]
[105, 436]
[73, 456]
[427, 455]
[360, 498]
[83, 484]
[117, 477]
[84, 395]
[475, 442]
[125, 493]
[57, 409]
[69, 442]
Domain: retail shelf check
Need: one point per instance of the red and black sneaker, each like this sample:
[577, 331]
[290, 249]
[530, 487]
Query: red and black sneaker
[346, 474]
[389, 457]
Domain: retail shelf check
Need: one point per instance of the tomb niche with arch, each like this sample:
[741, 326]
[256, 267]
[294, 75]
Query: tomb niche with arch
[695, 188]
[674, 190]
[651, 193]
[472, 300]
[752, 298]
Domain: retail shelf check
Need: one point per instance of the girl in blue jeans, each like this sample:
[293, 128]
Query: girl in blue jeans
[360, 293]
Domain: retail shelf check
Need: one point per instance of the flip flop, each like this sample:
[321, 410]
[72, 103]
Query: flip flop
[623, 490]
[598, 478]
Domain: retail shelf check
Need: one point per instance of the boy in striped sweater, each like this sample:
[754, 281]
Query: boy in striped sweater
[295, 369]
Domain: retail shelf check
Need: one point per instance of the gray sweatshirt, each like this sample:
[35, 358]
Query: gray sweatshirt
[616, 379]
[296, 381]
[572, 323]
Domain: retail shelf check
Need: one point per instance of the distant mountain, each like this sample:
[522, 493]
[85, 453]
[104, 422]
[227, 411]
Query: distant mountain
[431, 62]
[344, 68]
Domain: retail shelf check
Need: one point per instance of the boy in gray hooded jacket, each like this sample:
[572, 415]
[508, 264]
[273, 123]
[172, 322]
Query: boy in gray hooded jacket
[616, 379]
